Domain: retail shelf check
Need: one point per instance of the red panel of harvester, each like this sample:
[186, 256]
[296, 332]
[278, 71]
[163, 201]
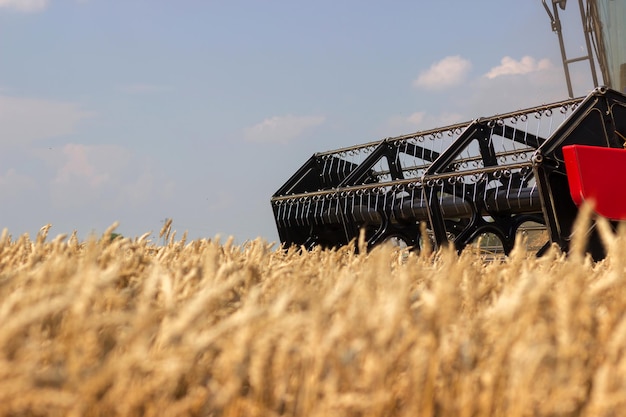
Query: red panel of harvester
[598, 175]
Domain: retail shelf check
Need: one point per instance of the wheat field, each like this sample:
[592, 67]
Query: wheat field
[126, 327]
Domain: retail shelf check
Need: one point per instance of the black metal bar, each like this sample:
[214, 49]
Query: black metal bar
[519, 136]
[446, 157]
[425, 154]
[363, 172]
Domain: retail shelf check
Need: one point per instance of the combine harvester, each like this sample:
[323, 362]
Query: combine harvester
[491, 177]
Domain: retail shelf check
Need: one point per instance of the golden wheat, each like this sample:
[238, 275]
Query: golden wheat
[125, 327]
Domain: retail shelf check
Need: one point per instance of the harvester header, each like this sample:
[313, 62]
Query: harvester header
[490, 175]
[495, 176]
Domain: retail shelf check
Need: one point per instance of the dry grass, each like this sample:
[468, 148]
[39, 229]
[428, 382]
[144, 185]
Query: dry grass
[125, 327]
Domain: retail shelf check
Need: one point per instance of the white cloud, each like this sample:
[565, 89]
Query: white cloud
[84, 187]
[85, 174]
[416, 118]
[526, 65]
[448, 72]
[398, 125]
[26, 6]
[13, 183]
[25, 120]
[143, 88]
[92, 164]
[281, 129]
[489, 96]
[147, 186]
[102, 176]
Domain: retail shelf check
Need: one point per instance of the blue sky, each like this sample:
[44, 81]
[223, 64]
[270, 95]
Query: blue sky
[140, 110]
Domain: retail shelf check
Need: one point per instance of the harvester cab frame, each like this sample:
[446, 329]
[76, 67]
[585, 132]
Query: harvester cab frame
[493, 176]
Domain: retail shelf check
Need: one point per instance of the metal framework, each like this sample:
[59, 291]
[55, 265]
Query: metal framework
[489, 175]
[594, 42]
